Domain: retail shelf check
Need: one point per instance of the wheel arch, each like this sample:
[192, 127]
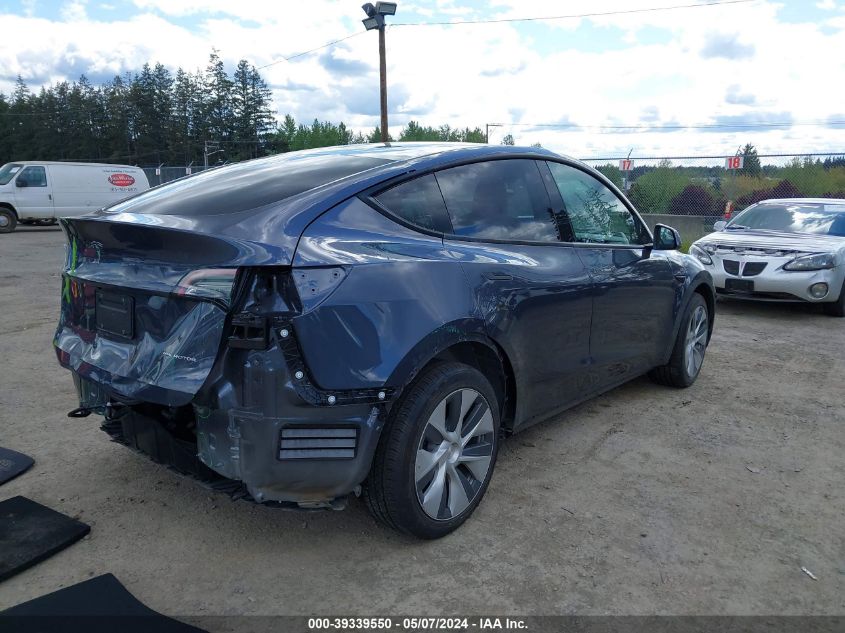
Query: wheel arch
[465, 342]
[701, 284]
[705, 289]
[7, 205]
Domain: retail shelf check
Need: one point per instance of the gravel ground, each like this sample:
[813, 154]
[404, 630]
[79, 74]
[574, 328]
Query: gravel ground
[646, 500]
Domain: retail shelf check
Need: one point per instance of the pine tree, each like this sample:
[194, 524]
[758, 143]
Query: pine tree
[751, 163]
[215, 122]
[182, 123]
[252, 117]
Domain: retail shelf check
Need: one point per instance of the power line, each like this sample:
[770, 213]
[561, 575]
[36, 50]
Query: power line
[576, 15]
[707, 126]
[641, 158]
[317, 48]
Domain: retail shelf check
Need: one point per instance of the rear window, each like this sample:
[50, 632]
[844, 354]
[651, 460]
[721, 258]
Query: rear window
[246, 185]
[500, 199]
[419, 202]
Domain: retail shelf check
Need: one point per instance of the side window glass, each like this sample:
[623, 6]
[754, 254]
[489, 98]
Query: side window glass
[34, 176]
[419, 202]
[498, 199]
[595, 213]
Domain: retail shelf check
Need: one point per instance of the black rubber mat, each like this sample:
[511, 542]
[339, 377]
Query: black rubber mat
[30, 532]
[101, 604]
[13, 464]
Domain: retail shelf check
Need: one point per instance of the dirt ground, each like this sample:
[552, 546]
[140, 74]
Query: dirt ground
[646, 500]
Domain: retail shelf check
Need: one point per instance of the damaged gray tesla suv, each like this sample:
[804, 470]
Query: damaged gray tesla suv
[369, 319]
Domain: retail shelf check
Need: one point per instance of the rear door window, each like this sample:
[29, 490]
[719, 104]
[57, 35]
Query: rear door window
[596, 214]
[418, 202]
[499, 199]
[33, 177]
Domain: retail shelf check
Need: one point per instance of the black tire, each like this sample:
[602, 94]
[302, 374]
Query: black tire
[676, 372]
[390, 490]
[8, 220]
[837, 308]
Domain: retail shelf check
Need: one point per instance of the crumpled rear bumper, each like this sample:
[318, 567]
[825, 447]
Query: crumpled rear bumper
[257, 423]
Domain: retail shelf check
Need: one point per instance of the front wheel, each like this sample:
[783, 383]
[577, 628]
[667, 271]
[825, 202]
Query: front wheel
[437, 453]
[8, 220]
[690, 346]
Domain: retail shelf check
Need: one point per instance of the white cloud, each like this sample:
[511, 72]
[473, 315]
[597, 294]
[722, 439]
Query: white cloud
[472, 75]
[74, 11]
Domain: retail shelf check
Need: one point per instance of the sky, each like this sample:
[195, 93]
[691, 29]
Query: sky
[683, 82]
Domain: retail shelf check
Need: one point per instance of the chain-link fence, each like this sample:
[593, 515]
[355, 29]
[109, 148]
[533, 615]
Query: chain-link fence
[165, 173]
[707, 185]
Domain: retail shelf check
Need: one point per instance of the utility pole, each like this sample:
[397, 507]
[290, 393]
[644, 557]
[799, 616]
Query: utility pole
[487, 127]
[210, 148]
[375, 20]
[382, 54]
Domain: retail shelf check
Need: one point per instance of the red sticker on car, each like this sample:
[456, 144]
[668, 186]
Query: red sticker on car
[121, 180]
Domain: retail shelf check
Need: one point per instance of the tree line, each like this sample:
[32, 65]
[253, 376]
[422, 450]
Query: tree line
[157, 117]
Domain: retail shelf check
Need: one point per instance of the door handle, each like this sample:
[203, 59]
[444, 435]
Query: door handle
[680, 277]
[497, 276]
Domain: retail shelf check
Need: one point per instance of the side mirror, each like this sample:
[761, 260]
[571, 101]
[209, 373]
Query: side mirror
[666, 238]
[720, 225]
[21, 182]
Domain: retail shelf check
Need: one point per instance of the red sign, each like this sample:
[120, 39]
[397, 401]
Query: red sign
[626, 164]
[121, 180]
[734, 162]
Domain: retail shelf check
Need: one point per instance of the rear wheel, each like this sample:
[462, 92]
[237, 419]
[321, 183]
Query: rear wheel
[437, 453]
[837, 308]
[8, 220]
[688, 354]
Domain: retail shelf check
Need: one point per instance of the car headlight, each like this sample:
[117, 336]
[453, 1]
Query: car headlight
[700, 254]
[812, 262]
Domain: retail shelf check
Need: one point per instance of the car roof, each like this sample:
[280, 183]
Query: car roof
[285, 192]
[285, 178]
[803, 201]
[401, 152]
[53, 163]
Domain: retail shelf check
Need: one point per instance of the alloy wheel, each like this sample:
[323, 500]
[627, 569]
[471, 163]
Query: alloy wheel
[696, 341]
[454, 454]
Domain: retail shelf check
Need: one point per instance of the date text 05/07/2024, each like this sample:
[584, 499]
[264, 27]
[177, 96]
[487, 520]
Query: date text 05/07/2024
[418, 624]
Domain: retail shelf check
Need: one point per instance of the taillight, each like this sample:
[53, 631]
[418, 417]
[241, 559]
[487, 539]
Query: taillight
[210, 283]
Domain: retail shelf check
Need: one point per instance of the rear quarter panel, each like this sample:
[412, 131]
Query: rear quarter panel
[404, 296]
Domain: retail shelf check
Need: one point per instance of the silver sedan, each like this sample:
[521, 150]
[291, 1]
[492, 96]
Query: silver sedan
[780, 250]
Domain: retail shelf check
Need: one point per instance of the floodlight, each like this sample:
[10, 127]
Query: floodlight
[386, 8]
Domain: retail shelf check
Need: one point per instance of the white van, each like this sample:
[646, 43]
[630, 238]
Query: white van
[38, 192]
